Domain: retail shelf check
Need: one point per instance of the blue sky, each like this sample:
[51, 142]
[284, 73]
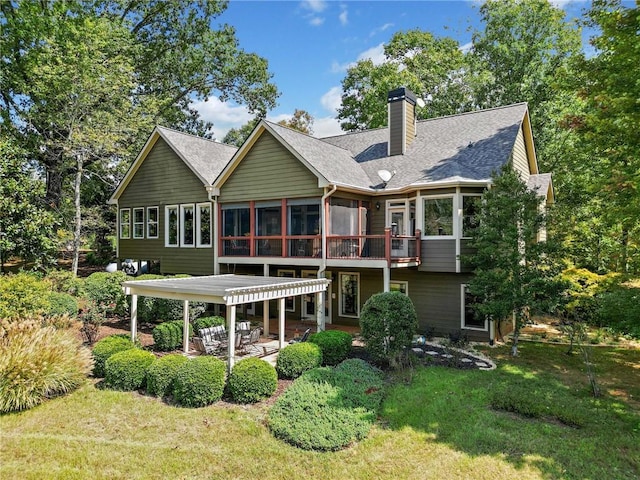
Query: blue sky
[310, 43]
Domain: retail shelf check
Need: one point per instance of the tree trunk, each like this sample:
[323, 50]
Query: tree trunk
[77, 230]
[514, 345]
[625, 247]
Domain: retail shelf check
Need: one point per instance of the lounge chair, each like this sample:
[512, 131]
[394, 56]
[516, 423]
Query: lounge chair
[250, 341]
[303, 338]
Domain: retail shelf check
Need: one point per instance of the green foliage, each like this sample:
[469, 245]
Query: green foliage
[335, 345]
[127, 370]
[388, 322]
[162, 373]
[105, 289]
[151, 309]
[107, 347]
[206, 322]
[619, 309]
[169, 335]
[237, 136]
[23, 295]
[252, 380]
[62, 304]
[37, 363]
[64, 281]
[295, 359]
[301, 121]
[328, 408]
[199, 382]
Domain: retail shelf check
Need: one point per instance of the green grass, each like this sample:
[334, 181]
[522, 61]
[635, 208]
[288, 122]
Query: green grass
[439, 426]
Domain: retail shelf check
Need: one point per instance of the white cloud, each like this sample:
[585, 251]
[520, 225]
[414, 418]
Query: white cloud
[314, 5]
[466, 48]
[326, 127]
[332, 100]
[375, 54]
[223, 115]
[316, 21]
[381, 29]
[344, 17]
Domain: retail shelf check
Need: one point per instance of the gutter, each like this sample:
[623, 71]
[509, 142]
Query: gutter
[323, 216]
[213, 193]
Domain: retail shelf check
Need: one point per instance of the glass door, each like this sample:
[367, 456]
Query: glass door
[397, 214]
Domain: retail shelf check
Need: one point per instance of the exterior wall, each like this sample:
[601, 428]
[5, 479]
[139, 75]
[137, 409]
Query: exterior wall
[519, 157]
[410, 122]
[438, 256]
[396, 130]
[163, 179]
[269, 171]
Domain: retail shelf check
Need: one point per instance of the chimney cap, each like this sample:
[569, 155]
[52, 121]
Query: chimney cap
[402, 93]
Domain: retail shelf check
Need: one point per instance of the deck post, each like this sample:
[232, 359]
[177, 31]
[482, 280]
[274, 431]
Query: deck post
[320, 311]
[281, 313]
[265, 317]
[386, 279]
[185, 326]
[231, 335]
[134, 316]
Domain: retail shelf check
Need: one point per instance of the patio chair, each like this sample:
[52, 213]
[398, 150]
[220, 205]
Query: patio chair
[250, 341]
[303, 338]
[207, 342]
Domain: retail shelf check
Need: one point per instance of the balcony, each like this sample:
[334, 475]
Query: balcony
[395, 250]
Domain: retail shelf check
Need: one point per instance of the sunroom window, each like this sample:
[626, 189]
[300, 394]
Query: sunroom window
[203, 224]
[187, 224]
[172, 223]
[138, 223]
[125, 223]
[470, 209]
[438, 216]
[235, 220]
[152, 222]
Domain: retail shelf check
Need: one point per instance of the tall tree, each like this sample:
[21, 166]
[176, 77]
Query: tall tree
[237, 136]
[433, 68]
[301, 121]
[515, 275]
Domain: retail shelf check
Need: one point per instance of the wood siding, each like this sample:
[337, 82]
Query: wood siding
[164, 179]
[438, 255]
[396, 128]
[519, 157]
[269, 171]
[410, 122]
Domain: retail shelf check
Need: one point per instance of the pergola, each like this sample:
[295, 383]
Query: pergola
[231, 291]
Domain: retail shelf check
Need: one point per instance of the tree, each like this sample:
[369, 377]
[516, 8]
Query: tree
[433, 68]
[515, 275]
[27, 229]
[237, 136]
[301, 121]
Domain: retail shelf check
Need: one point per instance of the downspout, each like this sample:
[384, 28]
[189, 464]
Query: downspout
[213, 198]
[118, 233]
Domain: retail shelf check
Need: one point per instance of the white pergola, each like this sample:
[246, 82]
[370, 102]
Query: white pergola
[229, 290]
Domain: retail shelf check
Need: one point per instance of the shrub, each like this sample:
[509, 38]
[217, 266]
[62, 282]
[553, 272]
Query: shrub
[162, 373]
[199, 382]
[126, 370]
[387, 324]
[206, 322]
[297, 358]
[107, 347]
[168, 335]
[252, 380]
[37, 363]
[106, 289]
[63, 281]
[335, 345]
[23, 295]
[619, 309]
[151, 309]
[62, 304]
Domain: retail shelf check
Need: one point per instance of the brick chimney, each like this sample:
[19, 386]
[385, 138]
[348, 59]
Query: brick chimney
[402, 120]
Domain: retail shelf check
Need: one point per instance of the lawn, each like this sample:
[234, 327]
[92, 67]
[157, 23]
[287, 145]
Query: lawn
[436, 423]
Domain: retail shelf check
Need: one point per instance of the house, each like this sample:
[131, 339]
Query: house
[384, 209]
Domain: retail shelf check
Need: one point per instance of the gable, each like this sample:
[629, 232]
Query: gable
[268, 170]
[162, 178]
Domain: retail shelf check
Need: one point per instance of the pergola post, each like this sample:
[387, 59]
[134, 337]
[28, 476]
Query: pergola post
[281, 312]
[185, 328]
[134, 316]
[386, 279]
[231, 335]
[320, 311]
[265, 317]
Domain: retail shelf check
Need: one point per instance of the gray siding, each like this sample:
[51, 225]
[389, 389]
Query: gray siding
[438, 256]
[163, 179]
[396, 127]
[269, 171]
[520, 160]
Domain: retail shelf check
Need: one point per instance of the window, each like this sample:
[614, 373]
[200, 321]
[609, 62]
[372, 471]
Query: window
[203, 225]
[187, 226]
[235, 220]
[304, 219]
[125, 223]
[289, 304]
[471, 319]
[438, 216]
[152, 222]
[344, 217]
[401, 286]
[268, 219]
[470, 209]
[138, 223]
[350, 295]
[171, 225]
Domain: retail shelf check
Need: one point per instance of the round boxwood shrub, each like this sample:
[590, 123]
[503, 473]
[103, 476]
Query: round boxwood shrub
[199, 382]
[107, 347]
[168, 335]
[335, 345]
[62, 304]
[126, 370]
[206, 322]
[252, 380]
[105, 288]
[388, 322]
[297, 358]
[162, 372]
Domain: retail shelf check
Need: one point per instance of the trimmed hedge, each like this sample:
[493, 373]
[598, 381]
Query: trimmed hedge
[162, 373]
[252, 380]
[23, 295]
[127, 370]
[295, 359]
[168, 335]
[62, 304]
[106, 347]
[105, 289]
[199, 382]
[335, 345]
[328, 408]
[206, 322]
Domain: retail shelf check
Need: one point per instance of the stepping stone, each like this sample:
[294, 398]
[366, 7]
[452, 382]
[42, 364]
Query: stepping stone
[418, 351]
[432, 353]
[481, 364]
[447, 355]
[465, 360]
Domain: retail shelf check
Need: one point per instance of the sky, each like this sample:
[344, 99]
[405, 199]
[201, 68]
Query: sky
[309, 44]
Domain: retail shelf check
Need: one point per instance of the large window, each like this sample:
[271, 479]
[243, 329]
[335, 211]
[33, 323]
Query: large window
[304, 219]
[235, 220]
[203, 225]
[401, 286]
[138, 223]
[350, 295]
[268, 219]
[438, 216]
[187, 226]
[471, 319]
[171, 225]
[470, 210]
[125, 223]
[152, 222]
[344, 217]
